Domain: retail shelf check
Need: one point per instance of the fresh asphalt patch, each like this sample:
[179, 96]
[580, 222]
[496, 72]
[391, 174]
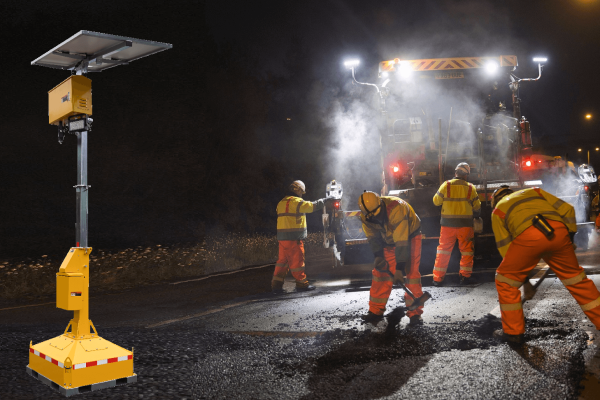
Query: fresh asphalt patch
[437, 360]
[455, 360]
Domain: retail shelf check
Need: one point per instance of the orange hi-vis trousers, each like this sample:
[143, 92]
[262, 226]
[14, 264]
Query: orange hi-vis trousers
[382, 282]
[291, 256]
[448, 237]
[523, 255]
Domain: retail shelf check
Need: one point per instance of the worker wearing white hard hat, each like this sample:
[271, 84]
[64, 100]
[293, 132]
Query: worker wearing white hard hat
[459, 200]
[291, 231]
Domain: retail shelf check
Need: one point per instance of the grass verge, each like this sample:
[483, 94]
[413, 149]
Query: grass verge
[29, 279]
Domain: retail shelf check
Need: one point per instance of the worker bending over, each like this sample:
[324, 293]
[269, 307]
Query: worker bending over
[291, 230]
[528, 225]
[459, 200]
[393, 230]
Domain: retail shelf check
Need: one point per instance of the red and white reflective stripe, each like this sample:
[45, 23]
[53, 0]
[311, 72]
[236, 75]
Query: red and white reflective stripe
[100, 362]
[47, 358]
[82, 365]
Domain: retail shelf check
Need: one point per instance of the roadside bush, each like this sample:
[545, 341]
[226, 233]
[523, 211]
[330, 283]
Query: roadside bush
[29, 279]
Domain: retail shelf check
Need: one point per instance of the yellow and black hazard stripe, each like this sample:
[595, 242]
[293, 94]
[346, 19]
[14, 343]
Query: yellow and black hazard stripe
[451, 63]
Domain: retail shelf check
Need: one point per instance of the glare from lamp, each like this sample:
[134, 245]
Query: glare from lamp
[491, 67]
[405, 69]
[540, 59]
[352, 63]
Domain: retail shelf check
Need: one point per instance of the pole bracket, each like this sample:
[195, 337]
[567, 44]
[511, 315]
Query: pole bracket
[85, 187]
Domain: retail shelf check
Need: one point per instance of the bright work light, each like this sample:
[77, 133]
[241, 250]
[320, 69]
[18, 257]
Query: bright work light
[351, 63]
[405, 69]
[540, 59]
[491, 67]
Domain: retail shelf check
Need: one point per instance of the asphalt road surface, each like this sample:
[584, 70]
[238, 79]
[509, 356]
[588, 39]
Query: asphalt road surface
[228, 337]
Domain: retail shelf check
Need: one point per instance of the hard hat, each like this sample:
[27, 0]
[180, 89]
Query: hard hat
[298, 185]
[370, 204]
[463, 168]
[499, 194]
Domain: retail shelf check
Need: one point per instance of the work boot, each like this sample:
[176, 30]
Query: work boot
[438, 284]
[505, 337]
[305, 288]
[467, 280]
[277, 287]
[372, 318]
[415, 320]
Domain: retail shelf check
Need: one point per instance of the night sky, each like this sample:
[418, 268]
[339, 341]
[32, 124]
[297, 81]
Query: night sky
[204, 138]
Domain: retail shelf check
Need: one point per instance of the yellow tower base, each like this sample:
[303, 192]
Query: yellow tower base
[74, 366]
[79, 360]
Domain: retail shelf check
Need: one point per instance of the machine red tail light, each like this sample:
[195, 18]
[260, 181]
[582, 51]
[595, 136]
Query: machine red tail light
[395, 168]
[587, 188]
[528, 163]
[336, 205]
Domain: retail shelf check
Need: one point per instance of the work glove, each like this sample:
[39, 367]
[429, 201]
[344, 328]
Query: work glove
[399, 277]
[380, 264]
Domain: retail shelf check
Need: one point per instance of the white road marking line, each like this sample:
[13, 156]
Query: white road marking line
[214, 310]
[30, 305]
[223, 273]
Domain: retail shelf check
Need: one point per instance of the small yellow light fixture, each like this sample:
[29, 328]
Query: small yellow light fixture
[578, 149]
[597, 148]
[588, 116]
[289, 119]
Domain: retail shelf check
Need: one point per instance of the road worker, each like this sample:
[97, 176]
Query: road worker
[459, 201]
[291, 230]
[528, 225]
[393, 231]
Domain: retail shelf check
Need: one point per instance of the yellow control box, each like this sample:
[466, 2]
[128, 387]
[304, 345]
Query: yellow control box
[72, 96]
[69, 291]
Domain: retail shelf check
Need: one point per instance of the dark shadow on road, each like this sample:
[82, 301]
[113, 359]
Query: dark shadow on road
[554, 352]
[373, 365]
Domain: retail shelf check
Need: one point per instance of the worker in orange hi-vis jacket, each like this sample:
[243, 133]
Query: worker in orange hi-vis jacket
[528, 225]
[459, 200]
[393, 231]
[291, 230]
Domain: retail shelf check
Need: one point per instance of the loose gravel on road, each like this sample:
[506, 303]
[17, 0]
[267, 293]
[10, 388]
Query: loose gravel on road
[436, 361]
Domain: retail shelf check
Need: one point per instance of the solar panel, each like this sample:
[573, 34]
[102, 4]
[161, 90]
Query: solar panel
[99, 50]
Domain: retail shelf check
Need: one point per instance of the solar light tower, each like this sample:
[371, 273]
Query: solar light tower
[79, 360]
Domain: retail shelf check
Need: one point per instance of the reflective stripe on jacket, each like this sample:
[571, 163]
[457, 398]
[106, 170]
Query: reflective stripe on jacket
[400, 226]
[514, 213]
[458, 199]
[291, 217]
